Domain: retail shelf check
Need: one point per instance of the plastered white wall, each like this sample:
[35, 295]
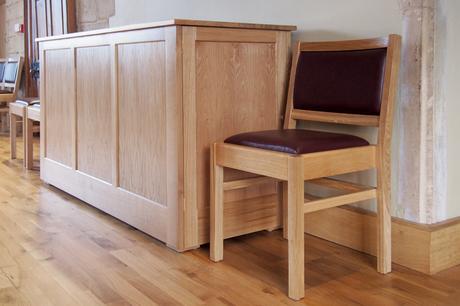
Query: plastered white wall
[316, 20]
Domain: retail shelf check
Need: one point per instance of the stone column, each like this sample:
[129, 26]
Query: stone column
[92, 15]
[419, 181]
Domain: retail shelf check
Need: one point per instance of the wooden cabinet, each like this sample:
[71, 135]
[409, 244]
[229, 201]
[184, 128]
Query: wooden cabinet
[128, 115]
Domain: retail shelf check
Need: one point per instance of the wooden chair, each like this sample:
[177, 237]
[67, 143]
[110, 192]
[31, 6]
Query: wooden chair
[18, 113]
[10, 71]
[33, 115]
[344, 82]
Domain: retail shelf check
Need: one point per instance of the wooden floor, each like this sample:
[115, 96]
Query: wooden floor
[56, 250]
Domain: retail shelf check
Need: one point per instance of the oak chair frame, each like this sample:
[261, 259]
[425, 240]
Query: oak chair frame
[18, 112]
[11, 96]
[294, 170]
[26, 114]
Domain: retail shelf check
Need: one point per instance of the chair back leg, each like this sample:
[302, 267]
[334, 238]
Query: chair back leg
[295, 223]
[217, 209]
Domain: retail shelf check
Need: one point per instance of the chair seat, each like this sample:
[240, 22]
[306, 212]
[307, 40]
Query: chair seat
[296, 141]
[28, 101]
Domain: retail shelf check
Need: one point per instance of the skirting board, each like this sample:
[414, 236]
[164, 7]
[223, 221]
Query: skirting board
[424, 248]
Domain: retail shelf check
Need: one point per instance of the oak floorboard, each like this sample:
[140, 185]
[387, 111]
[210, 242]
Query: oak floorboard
[57, 250]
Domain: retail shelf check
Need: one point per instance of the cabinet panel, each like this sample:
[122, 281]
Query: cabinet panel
[235, 93]
[60, 112]
[94, 112]
[142, 120]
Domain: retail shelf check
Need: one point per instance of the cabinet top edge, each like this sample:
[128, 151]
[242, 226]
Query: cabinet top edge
[174, 22]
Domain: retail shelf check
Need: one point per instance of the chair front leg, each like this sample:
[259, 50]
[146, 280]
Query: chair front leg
[13, 132]
[29, 144]
[285, 209]
[295, 223]
[383, 213]
[217, 209]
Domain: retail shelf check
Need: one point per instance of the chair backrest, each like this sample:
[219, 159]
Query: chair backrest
[12, 71]
[348, 82]
[2, 68]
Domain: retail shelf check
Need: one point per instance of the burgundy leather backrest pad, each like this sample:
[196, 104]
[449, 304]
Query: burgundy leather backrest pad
[340, 81]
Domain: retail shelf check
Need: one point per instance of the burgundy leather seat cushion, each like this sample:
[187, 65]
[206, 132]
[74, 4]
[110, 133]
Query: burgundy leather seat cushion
[340, 81]
[296, 141]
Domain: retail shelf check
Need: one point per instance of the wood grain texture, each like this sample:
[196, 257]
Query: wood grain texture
[56, 250]
[257, 161]
[139, 212]
[295, 224]
[205, 34]
[384, 153]
[425, 248]
[289, 122]
[216, 245]
[174, 137]
[328, 163]
[295, 169]
[359, 44]
[43, 106]
[32, 114]
[60, 117]
[235, 92]
[349, 198]
[115, 118]
[339, 118]
[357, 229]
[94, 111]
[337, 184]
[17, 114]
[190, 216]
[173, 22]
[445, 246]
[13, 134]
[244, 183]
[142, 143]
[283, 60]
[165, 99]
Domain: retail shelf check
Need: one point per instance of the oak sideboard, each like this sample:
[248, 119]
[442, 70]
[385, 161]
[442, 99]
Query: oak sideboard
[128, 115]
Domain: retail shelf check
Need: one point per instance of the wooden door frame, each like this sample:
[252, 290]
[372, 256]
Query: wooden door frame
[31, 88]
